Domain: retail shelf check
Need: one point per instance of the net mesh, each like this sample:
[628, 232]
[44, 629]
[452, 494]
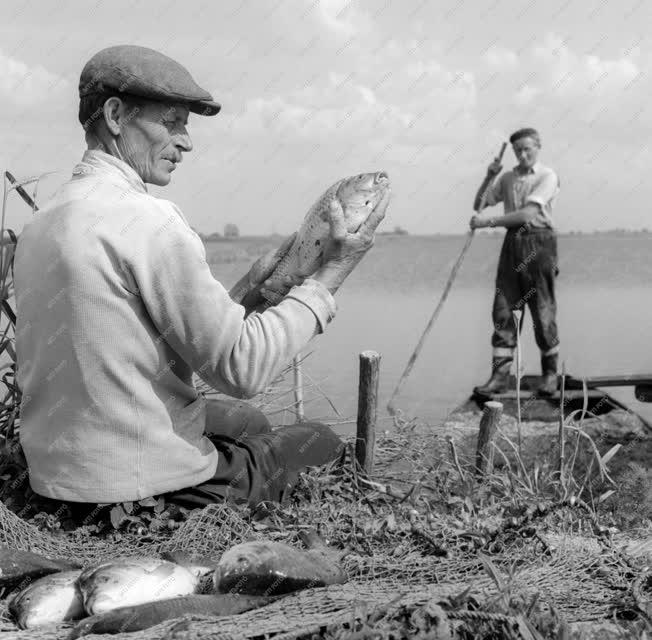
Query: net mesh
[400, 562]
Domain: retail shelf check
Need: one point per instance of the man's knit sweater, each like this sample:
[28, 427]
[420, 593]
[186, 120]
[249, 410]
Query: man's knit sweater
[116, 308]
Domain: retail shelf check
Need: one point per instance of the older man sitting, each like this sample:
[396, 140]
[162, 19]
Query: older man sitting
[117, 308]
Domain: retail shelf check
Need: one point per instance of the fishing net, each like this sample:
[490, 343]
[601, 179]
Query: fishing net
[408, 567]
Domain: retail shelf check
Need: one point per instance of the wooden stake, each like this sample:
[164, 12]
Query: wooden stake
[484, 457]
[367, 410]
[298, 388]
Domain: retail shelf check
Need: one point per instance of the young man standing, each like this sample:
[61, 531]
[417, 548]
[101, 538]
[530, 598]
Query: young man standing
[528, 260]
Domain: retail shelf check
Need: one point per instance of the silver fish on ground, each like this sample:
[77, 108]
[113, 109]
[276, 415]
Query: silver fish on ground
[270, 568]
[49, 600]
[198, 565]
[16, 566]
[356, 195]
[143, 616]
[133, 581]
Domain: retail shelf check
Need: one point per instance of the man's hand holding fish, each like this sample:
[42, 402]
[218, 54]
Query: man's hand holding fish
[345, 249]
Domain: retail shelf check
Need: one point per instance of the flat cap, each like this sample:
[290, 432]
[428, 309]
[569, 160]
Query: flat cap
[144, 72]
[526, 132]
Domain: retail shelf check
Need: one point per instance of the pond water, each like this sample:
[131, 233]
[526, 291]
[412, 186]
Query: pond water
[605, 314]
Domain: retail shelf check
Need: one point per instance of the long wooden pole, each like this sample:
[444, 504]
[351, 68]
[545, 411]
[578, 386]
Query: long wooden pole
[391, 408]
[391, 405]
[365, 441]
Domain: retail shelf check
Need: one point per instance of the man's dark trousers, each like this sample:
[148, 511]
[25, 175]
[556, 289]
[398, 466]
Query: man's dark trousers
[256, 463]
[527, 269]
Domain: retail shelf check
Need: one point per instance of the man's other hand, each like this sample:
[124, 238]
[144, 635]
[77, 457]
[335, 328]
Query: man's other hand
[265, 265]
[247, 290]
[275, 289]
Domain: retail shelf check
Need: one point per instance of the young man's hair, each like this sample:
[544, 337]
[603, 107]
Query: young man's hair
[91, 107]
[527, 132]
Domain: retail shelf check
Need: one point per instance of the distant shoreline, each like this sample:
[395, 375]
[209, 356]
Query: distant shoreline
[388, 234]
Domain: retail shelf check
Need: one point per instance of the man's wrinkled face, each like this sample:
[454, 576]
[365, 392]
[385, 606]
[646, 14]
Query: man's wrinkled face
[526, 151]
[152, 139]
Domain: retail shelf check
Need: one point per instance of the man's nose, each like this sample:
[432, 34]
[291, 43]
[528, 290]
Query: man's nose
[183, 141]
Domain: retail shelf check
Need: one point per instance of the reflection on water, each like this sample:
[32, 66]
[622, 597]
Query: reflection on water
[602, 330]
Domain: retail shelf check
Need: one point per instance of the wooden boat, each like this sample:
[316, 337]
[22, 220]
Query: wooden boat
[546, 409]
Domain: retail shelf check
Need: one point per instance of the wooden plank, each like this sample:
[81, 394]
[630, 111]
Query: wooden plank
[627, 380]
[525, 395]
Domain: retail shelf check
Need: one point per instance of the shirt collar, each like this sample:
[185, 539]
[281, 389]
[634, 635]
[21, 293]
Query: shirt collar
[534, 169]
[100, 163]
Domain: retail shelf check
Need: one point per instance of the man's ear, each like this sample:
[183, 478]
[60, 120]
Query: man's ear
[113, 112]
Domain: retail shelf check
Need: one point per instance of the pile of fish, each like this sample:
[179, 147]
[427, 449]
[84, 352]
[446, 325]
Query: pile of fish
[132, 594]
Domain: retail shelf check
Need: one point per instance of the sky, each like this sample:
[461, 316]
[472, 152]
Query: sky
[315, 90]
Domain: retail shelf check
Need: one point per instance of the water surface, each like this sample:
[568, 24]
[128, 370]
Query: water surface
[604, 317]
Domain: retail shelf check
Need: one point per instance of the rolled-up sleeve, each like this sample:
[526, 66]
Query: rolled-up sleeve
[545, 189]
[199, 320]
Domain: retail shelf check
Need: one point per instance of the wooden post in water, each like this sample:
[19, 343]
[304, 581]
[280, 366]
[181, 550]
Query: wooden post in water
[365, 441]
[484, 457]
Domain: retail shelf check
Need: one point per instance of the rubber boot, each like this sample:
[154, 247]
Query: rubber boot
[499, 380]
[548, 384]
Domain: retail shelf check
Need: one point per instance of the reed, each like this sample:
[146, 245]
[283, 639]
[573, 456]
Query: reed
[11, 394]
[517, 319]
[11, 397]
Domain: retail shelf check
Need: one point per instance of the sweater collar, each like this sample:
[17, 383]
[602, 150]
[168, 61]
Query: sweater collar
[101, 163]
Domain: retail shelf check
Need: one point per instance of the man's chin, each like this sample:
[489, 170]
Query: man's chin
[160, 179]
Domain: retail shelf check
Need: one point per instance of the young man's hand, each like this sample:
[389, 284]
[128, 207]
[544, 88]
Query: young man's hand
[494, 168]
[477, 222]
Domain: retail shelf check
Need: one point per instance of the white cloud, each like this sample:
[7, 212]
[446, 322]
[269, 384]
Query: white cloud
[566, 72]
[367, 95]
[342, 16]
[498, 57]
[526, 94]
[418, 102]
[25, 86]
